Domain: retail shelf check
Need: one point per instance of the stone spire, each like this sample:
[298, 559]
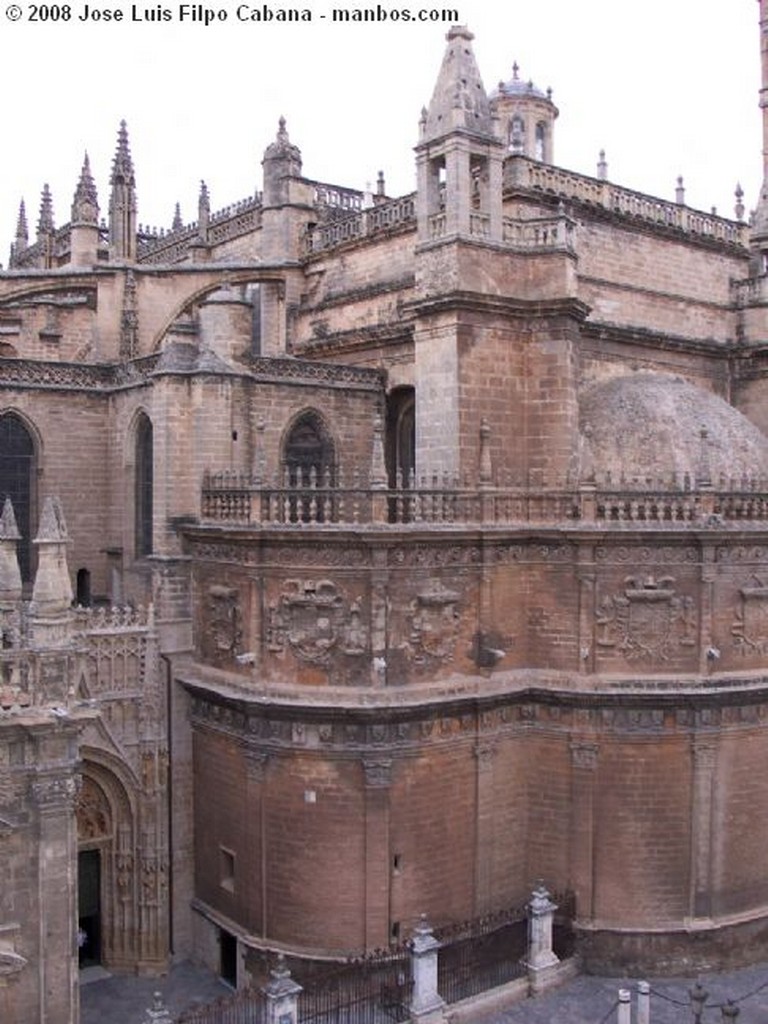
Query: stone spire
[760, 223]
[203, 210]
[21, 241]
[122, 201]
[177, 223]
[10, 574]
[45, 225]
[52, 590]
[22, 231]
[459, 100]
[85, 205]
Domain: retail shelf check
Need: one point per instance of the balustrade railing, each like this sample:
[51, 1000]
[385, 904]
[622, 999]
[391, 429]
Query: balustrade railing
[319, 500]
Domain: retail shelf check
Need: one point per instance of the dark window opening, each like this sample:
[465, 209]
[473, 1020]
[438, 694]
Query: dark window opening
[83, 592]
[17, 482]
[143, 487]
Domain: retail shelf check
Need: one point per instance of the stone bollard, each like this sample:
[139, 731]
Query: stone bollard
[427, 1006]
[643, 1003]
[541, 957]
[624, 1015]
[282, 995]
[158, 1013]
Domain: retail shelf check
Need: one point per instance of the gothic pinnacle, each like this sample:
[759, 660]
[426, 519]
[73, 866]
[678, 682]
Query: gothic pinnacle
[22, 232]
[85, 206]
[45, 223]
[122, 165]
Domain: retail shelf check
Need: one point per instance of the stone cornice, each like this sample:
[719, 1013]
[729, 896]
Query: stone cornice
[567, 306]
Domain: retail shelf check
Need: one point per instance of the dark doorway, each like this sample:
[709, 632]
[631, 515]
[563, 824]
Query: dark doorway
[89, 907]
[228, 954]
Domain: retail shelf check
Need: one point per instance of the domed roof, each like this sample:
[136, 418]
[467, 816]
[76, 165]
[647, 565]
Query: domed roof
[651, 426]
[516, 87]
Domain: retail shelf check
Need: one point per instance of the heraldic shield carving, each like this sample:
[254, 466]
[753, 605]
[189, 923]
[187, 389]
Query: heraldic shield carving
[648, 621]
[750, 627]
[313, 619]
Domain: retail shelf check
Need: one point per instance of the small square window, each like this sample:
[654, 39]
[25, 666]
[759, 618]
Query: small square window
[227, 869]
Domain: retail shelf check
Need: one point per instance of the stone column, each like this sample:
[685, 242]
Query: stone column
[378, 777]
[53, 794]
[484, 846]
[704, 756]
[282, 993]
[624, 1014]
[583, 771]
[541, 915]
[643, 1003]
[427, 1007]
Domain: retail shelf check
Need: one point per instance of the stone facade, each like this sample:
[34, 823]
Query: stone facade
[419, 542]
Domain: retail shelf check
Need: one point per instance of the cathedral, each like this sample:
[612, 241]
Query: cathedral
[365, 556]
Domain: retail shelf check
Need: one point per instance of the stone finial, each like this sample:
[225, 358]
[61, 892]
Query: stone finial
[45, 225]
[203, 210]
[381, 189]
[158, 1013]
[680, 191]
[602, 166]
[8, 528]
[85, 205]
[122, 163]
[177, 223]
[739, 208]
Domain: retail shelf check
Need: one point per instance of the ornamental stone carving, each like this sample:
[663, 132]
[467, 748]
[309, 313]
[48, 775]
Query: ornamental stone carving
[94, 817]
[750, 626]
[313, 619]
[647, 621]
[223, 625]
[433, 624]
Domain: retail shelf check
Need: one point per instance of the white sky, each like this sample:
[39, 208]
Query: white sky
[667, 87]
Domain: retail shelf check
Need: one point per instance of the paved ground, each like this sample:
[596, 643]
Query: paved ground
[124, 999]
[585, 1000]
[591, 1000]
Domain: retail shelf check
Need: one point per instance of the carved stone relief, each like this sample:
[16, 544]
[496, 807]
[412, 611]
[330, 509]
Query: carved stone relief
[222, 637]
[647, 621]
[750, 626]
[314, 619]
[433, 622]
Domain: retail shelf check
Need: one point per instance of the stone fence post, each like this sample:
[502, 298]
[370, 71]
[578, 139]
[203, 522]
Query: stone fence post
[427, 1007]
[625, 1007]
[282, 994]
[158, 1013]
[643, 1003]
[541, 957]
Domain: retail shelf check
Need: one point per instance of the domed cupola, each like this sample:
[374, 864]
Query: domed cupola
[527, 116]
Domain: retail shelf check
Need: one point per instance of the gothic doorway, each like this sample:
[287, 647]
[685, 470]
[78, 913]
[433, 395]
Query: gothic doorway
[400, 446]
[89, 907]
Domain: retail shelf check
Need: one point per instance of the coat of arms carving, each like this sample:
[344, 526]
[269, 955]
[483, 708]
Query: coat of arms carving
[647, 621]
[223, 635]
[312, 618]
[750, 626]
[434, 623]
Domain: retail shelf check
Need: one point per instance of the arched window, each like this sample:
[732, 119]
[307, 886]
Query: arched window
[18, 467]
[401, 436]
[143, 487]
[541, 136]
[517, 134]
[309, 465]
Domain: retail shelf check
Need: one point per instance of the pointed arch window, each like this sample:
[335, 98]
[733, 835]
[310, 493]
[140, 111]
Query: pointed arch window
[310, 467]
[18, 474]
[143, 483]
[541, 141]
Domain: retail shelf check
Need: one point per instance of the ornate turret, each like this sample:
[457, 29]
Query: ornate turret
[459, 155]
[527, 117]
[84, 241]
[282, 161]
[122, 201]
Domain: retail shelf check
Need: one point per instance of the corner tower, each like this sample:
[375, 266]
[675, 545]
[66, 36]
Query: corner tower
[526, 116]
[459, 156]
